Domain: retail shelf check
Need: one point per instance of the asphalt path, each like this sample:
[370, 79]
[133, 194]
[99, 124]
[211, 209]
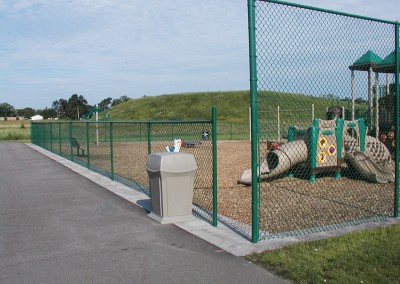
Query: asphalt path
[57, 226]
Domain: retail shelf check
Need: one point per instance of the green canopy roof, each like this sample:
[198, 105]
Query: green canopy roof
[369, 59]
[387, 65]
[388, 59]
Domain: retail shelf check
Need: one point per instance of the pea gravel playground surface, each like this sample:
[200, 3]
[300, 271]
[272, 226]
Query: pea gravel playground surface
[314, 200]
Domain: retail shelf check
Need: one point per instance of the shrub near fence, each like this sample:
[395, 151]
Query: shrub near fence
[120, 149]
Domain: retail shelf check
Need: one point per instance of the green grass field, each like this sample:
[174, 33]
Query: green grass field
[16, 130]
[371, 256]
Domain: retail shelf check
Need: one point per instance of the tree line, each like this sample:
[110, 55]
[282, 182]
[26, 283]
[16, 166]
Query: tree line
[73, 108]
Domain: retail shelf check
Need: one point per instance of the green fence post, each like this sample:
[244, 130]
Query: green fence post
[214, 166]
[111, 151]
[397, 134]
[254, 122]
[87, 145]
[148, 137]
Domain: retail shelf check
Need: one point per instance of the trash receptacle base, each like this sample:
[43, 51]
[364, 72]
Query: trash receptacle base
[171, 220]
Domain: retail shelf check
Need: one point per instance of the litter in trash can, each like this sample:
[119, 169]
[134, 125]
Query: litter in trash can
[176, 147]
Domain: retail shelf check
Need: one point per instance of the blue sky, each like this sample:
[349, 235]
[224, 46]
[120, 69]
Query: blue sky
[51, 49]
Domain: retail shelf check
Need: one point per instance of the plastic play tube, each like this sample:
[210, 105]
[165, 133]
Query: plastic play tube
[279, 161]
[285, 157]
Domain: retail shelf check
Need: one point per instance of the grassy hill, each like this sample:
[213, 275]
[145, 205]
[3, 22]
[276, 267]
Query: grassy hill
[232, 106]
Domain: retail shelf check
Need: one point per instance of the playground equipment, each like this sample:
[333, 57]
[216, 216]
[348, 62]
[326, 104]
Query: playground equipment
[387, 119]
[326, 147]
[331, 144]
[374, 163]
[96, 110]
[381, 98]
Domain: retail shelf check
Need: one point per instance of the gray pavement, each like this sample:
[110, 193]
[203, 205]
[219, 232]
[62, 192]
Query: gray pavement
[61, 223]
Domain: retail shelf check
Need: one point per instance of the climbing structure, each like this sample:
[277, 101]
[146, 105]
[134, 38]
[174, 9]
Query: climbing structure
[325, 146]
[328, 146]
[366, 154]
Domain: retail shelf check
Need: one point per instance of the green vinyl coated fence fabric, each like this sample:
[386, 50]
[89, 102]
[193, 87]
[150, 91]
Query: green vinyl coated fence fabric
[324, 91]
[119, 150]
[331, 159]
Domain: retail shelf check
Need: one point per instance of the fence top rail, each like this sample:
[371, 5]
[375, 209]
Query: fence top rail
[125, 122]
[232, 122]
[330, 11]
[285, 110]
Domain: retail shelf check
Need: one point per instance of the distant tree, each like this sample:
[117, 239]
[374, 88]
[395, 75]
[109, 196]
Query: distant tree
[106, 103]
[63, 108]
[56, 105]
[68, 109]
[120, 100]
[26, 112]
[359, 101]
[125, 98]
[48, 113]
[7, 110]
[116, 102]
[76, 102]
[60, 107]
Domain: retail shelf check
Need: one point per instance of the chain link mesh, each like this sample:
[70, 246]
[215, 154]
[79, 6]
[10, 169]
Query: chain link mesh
[325, 140]
[326, 130]
[119, 150]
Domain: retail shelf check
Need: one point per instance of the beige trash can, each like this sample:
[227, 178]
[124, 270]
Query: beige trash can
[171, 178]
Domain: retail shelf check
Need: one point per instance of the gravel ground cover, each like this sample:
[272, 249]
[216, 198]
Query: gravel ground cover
[286, 204]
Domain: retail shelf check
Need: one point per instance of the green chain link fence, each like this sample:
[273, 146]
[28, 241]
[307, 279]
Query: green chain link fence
[330, 159]
[119, 150]
[233, 131]
[324, 131]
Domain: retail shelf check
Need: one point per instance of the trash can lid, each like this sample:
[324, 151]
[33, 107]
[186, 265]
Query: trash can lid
[171, 162]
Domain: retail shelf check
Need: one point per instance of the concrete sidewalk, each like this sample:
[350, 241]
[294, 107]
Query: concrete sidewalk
[58, 226]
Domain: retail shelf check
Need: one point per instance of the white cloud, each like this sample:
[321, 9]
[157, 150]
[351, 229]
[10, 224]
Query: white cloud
[53, 49]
